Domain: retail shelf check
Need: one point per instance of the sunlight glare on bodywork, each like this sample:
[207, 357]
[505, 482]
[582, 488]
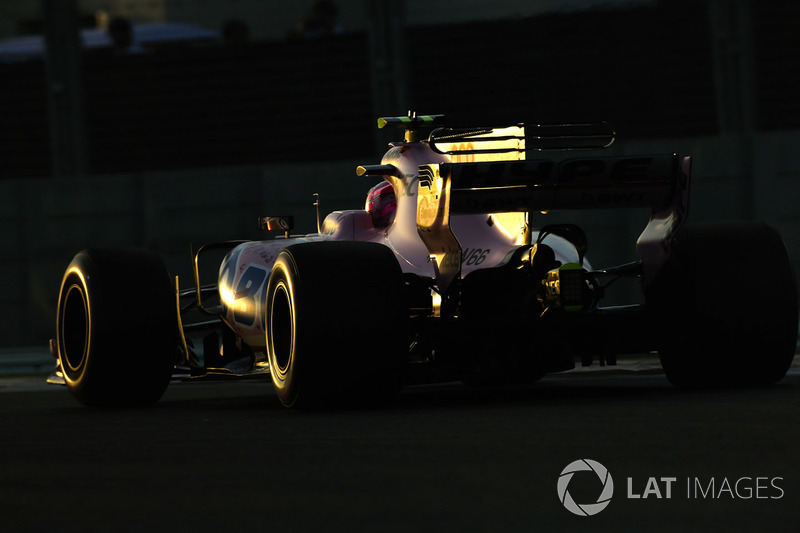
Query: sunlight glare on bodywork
[226, 295]
[515, 145]
[512, 225]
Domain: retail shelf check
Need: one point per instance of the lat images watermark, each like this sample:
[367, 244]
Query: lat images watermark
[585, 509]
[664, 487]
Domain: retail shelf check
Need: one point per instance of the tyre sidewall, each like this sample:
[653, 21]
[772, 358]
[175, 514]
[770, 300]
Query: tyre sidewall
[284, 367]
[349, 323]
[132, 332]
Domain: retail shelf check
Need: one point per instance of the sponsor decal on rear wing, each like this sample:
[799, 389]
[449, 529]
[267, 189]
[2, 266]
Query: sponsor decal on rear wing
[543, 185]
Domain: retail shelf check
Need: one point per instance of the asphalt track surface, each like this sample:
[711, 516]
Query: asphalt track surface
[224, 456]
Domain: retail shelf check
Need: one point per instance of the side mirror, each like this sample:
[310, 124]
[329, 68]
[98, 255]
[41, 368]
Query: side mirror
[279, 223]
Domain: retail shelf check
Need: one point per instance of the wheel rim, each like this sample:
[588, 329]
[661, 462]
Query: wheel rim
[75, 329]
[282, 328]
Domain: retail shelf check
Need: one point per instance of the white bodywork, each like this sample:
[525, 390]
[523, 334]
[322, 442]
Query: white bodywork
[486, 240]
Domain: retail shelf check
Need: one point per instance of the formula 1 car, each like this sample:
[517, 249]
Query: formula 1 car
[443, 276]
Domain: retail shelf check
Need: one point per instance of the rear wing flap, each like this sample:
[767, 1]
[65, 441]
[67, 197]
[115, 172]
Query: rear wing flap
[521, 138]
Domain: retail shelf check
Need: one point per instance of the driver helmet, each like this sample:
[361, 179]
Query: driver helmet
[381, 204]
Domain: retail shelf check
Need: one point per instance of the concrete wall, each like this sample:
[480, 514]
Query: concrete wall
[43, 222]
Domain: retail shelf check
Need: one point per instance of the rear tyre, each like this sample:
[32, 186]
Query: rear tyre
[116, 328]
[725, 307]
[336, 324]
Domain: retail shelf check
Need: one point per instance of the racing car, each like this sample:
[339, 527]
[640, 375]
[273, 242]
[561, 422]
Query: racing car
[450, 272]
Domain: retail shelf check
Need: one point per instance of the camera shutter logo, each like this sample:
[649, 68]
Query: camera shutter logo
[585, 509]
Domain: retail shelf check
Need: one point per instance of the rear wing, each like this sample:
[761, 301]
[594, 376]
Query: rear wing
[543, 185]
[521, 138]
[660, 182]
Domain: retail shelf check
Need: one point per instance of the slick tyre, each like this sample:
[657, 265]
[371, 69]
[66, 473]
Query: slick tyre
[335, 324]
[116, 328]
[724, 307]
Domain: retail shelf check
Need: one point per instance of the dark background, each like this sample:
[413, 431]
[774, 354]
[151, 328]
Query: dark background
[649, 70]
